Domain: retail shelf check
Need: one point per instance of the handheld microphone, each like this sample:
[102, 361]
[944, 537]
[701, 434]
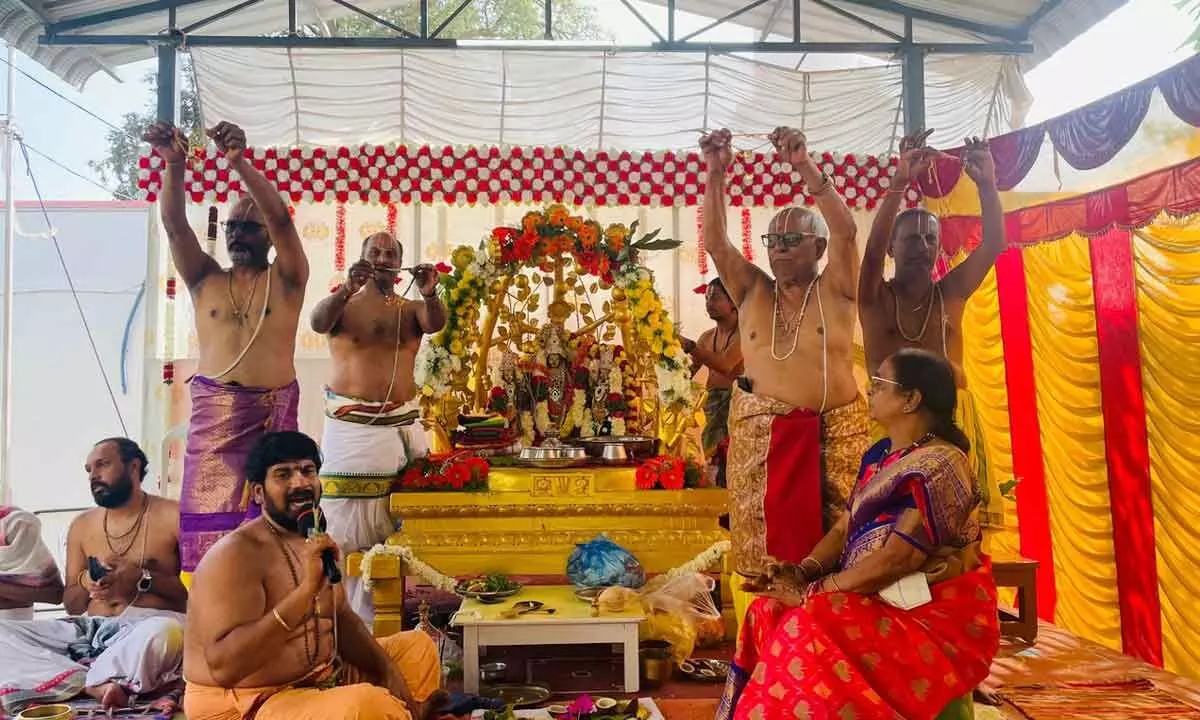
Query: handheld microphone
[312, 522]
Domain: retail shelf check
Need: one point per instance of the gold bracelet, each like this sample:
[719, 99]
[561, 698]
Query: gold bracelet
[79, 580]
[813, 560]
[279, 618]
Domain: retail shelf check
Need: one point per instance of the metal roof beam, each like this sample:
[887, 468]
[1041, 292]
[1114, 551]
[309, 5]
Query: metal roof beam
[285, 41]
[722, 21]
[218, 16]
[380, 21]
[446, 23]
[896, 8]
[124, 13]
[861, 21]
[1047, 7]
[642, 19]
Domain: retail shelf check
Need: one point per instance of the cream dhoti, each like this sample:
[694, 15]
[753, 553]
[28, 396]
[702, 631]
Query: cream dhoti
[54, 660]
[364, 446]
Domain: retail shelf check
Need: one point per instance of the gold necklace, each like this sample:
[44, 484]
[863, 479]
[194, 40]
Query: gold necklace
[310, 654]
[239, 313]
[798, 319]
[133, 530]
[935, 289]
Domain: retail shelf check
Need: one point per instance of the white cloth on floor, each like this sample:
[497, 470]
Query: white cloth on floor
[360, 461]
[141, 650]
[22, 613]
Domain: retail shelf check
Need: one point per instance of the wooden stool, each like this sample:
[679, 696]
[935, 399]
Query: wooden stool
[1021, 574]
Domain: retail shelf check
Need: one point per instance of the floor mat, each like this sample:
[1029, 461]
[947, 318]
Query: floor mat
[1137, 699]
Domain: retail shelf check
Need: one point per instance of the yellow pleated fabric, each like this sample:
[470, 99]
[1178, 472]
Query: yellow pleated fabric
[1167, 266]
[983, 363]
[1062, 322]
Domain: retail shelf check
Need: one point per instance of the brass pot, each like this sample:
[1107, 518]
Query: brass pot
[47, 712]
[656, 666]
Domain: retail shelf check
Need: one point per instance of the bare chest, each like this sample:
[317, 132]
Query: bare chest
[373, 320]
[147, 543]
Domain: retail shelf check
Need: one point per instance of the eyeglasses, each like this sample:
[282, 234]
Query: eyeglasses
[245, 227]
[786, 240]
[877, 383]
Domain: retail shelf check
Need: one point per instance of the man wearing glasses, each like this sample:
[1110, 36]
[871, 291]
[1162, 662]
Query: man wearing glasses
[797, 423]
[246, 319]
[914, 310]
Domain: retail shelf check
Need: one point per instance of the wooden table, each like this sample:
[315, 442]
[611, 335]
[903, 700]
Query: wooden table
[1019, 573]
[572, 624]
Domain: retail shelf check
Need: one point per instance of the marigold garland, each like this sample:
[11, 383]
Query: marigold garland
[747, 242]
[391, 219]
[339, 239]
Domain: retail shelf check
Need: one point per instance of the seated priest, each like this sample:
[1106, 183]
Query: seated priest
[893, 614]
[125, 633]
[270, 637]
[28, 573]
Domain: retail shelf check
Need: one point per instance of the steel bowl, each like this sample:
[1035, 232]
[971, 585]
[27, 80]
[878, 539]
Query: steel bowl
[636, 448]
[493, 672]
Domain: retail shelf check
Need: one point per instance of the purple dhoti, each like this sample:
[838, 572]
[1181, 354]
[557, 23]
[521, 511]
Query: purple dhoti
[226, 421]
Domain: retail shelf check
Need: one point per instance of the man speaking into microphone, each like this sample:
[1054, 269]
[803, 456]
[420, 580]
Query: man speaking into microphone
[268, 620]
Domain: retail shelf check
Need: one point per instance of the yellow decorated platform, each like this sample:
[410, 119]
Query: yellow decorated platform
[530, 520]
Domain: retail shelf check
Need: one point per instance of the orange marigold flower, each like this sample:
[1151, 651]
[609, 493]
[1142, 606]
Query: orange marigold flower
[574, 223]
[531, 221]
[616, 235]
[557, 215]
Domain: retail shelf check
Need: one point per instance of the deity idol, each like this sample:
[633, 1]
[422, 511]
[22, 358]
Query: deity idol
[553, 385]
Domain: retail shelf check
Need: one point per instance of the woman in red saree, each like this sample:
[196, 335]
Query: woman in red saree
[893, 615]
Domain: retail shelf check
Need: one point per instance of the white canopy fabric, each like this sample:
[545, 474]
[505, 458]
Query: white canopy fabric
[587, 100]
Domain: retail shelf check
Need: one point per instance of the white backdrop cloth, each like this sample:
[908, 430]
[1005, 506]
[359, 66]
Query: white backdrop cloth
[586, 100]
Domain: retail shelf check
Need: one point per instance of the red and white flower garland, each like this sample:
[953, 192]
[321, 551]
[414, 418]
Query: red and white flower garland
[492, 175]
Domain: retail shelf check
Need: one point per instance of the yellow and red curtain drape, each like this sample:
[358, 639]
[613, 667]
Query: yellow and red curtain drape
[1083, 349]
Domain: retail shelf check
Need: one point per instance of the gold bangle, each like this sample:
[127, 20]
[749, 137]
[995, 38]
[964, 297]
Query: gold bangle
[79, 580]
[280, 620]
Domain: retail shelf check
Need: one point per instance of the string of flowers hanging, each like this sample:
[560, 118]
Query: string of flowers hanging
[747, 243]
[701, 252]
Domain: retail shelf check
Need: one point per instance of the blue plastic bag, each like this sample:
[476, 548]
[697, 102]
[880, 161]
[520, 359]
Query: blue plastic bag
[603, 563]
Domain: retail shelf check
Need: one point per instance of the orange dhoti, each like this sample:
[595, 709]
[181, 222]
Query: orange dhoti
[790, 472]
[352, 699]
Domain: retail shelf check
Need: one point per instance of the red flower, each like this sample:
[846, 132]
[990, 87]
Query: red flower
[645, 477]
[701, 289]
[672, 477]
[458, 475]
[443, 268]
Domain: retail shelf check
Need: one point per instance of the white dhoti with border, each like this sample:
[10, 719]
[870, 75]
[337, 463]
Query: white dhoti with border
[365, 446]
[44, 660]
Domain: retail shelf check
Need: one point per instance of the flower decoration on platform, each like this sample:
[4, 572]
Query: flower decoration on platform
[667, 472]
[446, 472]
[610, 254]
[492, 175]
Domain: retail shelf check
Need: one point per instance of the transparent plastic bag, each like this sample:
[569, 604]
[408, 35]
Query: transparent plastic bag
[679, 611]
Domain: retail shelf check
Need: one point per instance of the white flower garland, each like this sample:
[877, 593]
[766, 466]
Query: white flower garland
[445, 583]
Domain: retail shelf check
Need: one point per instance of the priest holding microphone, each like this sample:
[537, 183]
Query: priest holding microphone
[270, 634]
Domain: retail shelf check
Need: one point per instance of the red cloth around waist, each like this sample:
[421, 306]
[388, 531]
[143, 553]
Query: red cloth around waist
[793, 504]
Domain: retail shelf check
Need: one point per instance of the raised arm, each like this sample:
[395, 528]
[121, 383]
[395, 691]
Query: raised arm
[290, 259]
[736, 272]
[728, 363]
[915, 159]
[430, 313]
[328, 313]
[191, 262]
[236, 628]
[841, 270]
[965, 279]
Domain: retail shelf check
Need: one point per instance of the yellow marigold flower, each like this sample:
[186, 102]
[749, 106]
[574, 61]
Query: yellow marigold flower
[616, 234]
[456, 347]
[557, 215]
[427, 390]
[462, 257]
[530, 222]
[656, 346]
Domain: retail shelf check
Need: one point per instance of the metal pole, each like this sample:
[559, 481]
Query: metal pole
[166, 82]
[913, 74]
[10, 226]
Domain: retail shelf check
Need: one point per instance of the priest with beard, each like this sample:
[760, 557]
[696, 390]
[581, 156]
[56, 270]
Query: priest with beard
[271, 635]
[124, 635]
